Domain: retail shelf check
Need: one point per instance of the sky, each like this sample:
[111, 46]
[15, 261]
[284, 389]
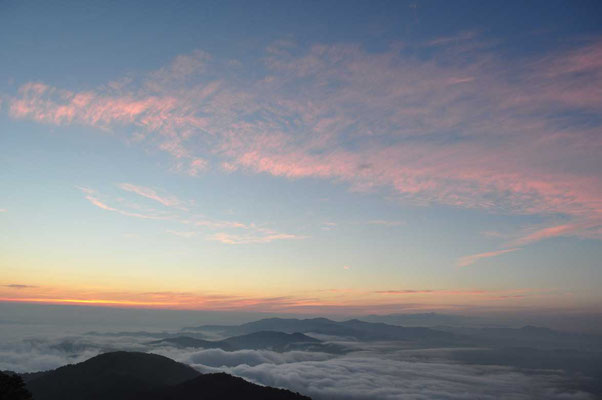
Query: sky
[302, 157]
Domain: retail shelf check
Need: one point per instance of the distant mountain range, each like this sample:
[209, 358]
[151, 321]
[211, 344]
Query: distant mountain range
[527, 336]
[360, 330]
[135, 376]
[262, 340]
[430, 320]
[141, 376]
[190, 342]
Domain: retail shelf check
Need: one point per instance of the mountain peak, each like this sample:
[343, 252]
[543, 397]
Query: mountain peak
[125, 375]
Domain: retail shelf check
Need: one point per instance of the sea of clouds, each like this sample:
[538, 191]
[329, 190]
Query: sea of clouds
[374, 371]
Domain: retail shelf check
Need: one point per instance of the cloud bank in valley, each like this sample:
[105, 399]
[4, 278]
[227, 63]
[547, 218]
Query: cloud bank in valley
[374, 371]
[375, 378]
[219, 358]
[40, 354]
[421, 374]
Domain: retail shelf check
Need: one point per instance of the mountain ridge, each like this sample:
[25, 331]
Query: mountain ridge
[360, 330]
[123, 375]
[260, 340]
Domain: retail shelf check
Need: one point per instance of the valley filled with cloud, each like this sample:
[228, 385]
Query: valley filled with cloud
[553, 367]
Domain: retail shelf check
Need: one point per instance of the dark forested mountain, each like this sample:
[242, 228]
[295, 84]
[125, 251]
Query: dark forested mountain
[136, 376]
[117, 375]
[12, 387]
[220, 386]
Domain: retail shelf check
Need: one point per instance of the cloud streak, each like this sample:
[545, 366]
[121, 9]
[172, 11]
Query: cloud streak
[168, 201]
[227, 238]
[19, 286]
[471, 259]
[253, 234]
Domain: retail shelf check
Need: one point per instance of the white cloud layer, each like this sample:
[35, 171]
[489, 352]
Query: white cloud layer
[364, 378]
[382, 372]
[379, 371]
[220, 358]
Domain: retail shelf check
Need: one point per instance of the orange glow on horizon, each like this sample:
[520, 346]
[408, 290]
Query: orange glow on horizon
[336, 301]
[87, 302]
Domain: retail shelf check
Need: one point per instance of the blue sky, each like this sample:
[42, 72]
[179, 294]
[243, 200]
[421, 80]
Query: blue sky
[302, 156]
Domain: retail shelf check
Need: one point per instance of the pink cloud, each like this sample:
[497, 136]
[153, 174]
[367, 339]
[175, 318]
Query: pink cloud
[468, 260]
[168, 201]
[196, 166]
[586, 229]
[104, 206]
[547, 233]
[254, 238]
[467, 128]
[252, 233]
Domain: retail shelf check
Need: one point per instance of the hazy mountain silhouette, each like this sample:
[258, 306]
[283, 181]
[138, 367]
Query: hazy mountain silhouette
[262, 340]
[527, 336]
[131, 376]
[269, 340]
[158, 335]
[431, 319]
[360, 330]
[189, 342]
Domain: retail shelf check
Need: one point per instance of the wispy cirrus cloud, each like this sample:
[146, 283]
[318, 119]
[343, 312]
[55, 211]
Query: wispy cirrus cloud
[251, 233]
[587, 229]
[466, 127]
[166, 200]
[583, 228]
[92, 196]
[257, 237]
[471, 259]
